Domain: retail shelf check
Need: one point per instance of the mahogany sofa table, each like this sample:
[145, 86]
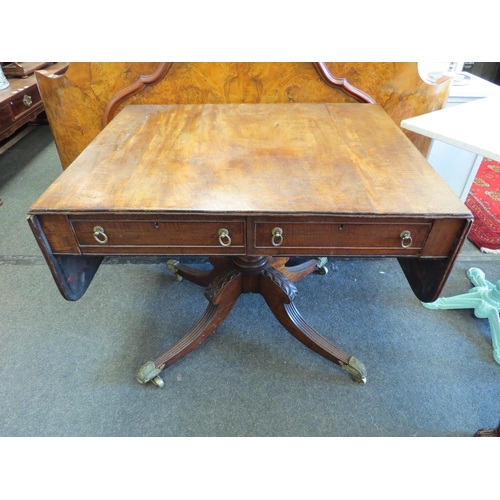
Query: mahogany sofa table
[250, 185]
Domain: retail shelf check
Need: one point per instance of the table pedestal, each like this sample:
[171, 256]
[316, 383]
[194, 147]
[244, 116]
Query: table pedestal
[229, 278]
[484, 298]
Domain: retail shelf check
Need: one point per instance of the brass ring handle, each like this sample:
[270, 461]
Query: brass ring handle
[224, 238]
[100, 236]
[27, 101]
[406, 239]
[277, 238]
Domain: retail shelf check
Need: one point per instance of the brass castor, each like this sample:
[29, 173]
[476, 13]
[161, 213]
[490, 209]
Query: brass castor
[149, 373]
[158, 382]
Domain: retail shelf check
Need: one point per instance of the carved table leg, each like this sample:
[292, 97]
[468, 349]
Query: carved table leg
[300, 271]
[488, 432]
[279, 292]
[203, 278]
[222, 294]
[234, 276]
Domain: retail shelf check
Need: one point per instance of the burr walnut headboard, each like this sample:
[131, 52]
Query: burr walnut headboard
[82, 101]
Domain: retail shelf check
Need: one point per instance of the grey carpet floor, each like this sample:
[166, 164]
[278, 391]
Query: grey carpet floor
[68, 368]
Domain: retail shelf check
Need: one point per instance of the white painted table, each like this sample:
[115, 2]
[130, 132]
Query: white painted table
[458, 167]
[475, 127]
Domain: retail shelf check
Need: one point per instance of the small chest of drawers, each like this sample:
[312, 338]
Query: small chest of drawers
[21, 102]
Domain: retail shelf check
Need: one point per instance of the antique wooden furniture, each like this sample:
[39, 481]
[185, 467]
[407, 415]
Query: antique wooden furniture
[250, 185]
[21, 102]
[23, 69]
[83, 100]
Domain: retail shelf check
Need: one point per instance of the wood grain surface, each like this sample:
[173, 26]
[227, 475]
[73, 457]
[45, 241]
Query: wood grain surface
[252, 158]
[77, 102]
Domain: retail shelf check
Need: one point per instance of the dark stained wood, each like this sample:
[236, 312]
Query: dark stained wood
[164, 180]
[72, 273]
[199, 277]
[349, 89]
[279, 292]
[88, 95]
[296, 272]
[337, 179]
[165, 236]
[23, 69]
[21, 103]
[57, 230]
[254, 275]
[222, 295]
[427, 276]
[485, 432]
[139, 85]
[442, 237]
[335, 235]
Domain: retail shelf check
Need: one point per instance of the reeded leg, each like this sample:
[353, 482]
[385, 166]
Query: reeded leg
[222, 294]
[300, 271]
[203, 278]
[279, 292]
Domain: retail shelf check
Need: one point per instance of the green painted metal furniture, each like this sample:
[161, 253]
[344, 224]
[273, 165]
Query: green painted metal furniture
[484, 298]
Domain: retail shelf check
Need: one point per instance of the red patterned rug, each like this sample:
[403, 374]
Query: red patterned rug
[484, 202]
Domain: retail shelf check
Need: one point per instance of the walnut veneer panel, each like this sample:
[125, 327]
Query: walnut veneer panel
[77, 102]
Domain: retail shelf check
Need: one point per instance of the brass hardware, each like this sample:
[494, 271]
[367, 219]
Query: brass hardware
[406, 239]
[149, 373]
[100, 236]
[277, 238]
[356, 369]
[224, 238]
[27, 101]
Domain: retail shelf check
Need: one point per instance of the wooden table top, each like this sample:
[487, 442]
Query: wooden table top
[249, 159]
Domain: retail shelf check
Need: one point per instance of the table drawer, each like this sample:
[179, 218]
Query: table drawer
[6, 115]
[101, 235]
[25, 101]
[340, 237]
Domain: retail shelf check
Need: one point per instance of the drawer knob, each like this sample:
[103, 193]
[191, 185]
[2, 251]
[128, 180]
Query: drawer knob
[100, 236]
[27, 101]
[224, 238]
[406, 239]
[277, 238]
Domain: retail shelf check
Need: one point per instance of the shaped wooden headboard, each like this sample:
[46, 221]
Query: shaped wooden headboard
[82, 101]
